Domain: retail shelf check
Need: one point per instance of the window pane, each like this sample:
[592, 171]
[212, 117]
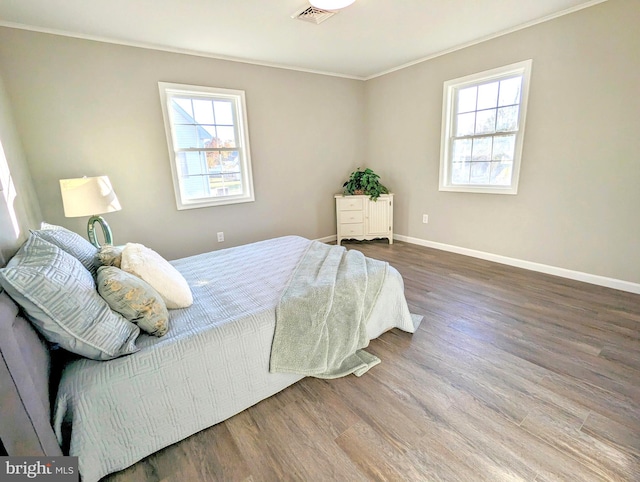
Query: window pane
[481, 149]
[203, 111]
[181, 163]
[488, 95]
[233, 183]
[192, 163]
[503, 148]
[501, 173]
[226, 136]
[224, 112]
[232, 177]
[462, 150]
[213, 141]
[480, 173]
[465, 124]
[467, 99]
[225, 184]
[204, 137]
[507, 118]
[486, 122]
[230, 161]
[214, 161]
[186, 136]
[510, 91]
[216, 185]
[211, 131]
[235, 190]
[460, 172]
[194, 187]
[181, 107]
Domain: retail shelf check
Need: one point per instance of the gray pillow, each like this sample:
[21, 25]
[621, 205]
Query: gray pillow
[59, 297]
[71, 242]
[134, 299]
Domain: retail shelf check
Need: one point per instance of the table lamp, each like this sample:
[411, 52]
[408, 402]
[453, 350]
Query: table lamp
[90, 196]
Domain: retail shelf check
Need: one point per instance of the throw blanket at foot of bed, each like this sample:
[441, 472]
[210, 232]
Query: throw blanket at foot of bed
[322, 314]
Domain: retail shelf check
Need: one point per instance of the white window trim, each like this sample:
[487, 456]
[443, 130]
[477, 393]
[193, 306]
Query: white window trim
[521, 68]
[238, 96]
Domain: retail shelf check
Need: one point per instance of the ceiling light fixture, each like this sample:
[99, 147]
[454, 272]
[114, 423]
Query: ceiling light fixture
[331, 4]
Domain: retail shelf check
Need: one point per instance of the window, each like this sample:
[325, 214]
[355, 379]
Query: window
[208, 145]
[483, 130]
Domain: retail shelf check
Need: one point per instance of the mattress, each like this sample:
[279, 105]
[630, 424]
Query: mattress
[212, 364]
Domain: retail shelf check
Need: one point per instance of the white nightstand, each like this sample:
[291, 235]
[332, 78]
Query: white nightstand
[358, 217]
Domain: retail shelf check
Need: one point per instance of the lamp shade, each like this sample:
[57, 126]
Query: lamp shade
[86, 196]
[331, 4]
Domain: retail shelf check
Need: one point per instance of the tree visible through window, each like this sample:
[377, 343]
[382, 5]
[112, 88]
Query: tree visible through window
[208, 144]
[483, 130]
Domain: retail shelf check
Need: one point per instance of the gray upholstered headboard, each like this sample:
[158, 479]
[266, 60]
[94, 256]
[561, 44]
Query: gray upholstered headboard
[25, 368]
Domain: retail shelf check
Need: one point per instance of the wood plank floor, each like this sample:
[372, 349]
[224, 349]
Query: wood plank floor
[513, 375]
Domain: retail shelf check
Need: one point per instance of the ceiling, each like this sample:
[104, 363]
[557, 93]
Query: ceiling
[364, 40]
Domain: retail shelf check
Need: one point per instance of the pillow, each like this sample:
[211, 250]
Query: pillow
[148, 265]
[134, 299]
[109, 255]
[71, 242]
[59, 297]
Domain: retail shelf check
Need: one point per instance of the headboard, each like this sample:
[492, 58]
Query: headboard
[25, 368]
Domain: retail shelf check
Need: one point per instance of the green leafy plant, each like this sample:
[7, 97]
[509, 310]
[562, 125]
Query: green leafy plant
[365, 182]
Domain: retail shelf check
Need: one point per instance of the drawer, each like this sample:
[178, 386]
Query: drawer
[347, 230]
[350, 204]
[350, 217]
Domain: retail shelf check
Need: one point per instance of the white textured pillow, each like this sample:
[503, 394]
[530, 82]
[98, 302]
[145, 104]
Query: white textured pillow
[148, 265]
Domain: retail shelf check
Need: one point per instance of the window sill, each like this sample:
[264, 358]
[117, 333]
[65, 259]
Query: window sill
[481, 189]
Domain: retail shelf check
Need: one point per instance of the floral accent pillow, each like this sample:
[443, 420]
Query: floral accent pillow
[134, 299]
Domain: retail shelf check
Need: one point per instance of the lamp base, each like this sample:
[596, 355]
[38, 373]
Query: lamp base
[106, 231]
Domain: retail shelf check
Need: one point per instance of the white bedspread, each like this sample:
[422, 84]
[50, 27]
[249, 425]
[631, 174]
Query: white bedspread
[212, 364]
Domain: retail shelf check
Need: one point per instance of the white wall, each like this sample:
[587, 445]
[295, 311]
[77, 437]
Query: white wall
[91, 108]
[578, 205]
[88, 108]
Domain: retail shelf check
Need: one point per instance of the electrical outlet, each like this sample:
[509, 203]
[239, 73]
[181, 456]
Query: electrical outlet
[220, 237]
[425, 218]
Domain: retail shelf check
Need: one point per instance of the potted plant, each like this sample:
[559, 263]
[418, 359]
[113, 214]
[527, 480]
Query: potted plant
[365, 182]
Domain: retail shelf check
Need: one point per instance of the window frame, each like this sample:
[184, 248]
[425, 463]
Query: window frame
[450, 90]
[169, 90]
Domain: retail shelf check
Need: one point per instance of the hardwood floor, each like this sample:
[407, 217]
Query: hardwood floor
[512, 375]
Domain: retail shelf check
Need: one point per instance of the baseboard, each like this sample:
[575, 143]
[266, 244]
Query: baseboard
[328, 239]
[530, 265]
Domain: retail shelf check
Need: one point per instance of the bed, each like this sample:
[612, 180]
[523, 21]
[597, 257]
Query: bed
[212, 364]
